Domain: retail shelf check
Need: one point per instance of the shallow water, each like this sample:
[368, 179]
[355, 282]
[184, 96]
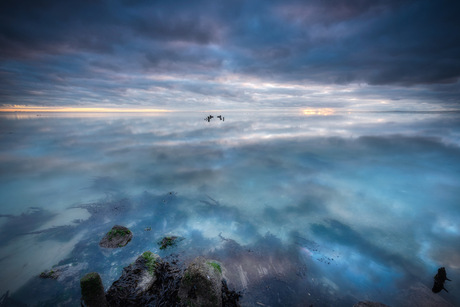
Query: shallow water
[301, 209]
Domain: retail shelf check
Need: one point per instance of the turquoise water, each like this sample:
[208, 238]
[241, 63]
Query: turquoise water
[324, 210]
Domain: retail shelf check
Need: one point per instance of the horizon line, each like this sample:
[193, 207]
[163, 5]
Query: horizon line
[30, 109]
[304, 110]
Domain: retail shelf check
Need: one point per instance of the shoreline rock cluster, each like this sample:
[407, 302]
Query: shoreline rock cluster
[151, 281]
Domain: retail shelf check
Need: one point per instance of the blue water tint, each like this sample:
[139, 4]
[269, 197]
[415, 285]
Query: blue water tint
[323, 210]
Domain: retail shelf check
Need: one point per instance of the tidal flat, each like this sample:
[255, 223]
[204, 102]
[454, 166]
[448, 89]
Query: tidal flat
[299, 208]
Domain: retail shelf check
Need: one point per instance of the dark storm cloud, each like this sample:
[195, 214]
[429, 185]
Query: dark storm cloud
[378, 43]
[33, 27]
[84, 43]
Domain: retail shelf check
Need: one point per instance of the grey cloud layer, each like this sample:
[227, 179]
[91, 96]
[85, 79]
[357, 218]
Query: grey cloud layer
[85, 47]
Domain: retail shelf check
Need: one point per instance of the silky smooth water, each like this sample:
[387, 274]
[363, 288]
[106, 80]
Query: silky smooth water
[300, 208]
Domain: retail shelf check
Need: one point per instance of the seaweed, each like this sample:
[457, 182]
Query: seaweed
[166, 242]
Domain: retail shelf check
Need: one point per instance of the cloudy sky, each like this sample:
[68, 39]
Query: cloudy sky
[238, 54]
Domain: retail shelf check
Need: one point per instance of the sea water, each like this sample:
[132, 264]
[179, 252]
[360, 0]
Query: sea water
[300, 207]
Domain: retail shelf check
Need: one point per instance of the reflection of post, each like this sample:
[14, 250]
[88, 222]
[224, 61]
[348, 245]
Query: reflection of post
[439, 280]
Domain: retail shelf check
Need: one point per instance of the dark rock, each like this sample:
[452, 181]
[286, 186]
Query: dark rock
[51, 274]
[201, 283]
[369, 304]
[151, 281]
[118, 236]
[135, 281]
[169, 241]
[92, 290]
[65, 271]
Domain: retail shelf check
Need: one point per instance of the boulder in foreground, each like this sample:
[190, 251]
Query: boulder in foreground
[135, 281]
[151, 281]
[201, 284]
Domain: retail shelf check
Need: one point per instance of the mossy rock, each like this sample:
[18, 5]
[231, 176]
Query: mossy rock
[169, 241]
[92, 290]
[135, 280]
[70, 271]
[215, 265]
[150, 261]
[51, 274]
[118, 236]
[201, 284]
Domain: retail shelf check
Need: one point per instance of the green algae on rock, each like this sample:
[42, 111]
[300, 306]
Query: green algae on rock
[51, 274]
[150, 261]
[216, 266]
[118, 236]
[136, 279]
[168, 241]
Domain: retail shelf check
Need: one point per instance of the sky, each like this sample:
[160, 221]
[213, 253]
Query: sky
[197, 55]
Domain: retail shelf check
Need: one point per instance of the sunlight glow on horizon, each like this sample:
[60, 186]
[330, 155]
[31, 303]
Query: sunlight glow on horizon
[319, 111]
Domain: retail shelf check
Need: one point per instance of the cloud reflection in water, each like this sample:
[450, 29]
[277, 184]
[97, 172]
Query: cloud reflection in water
[348, 206]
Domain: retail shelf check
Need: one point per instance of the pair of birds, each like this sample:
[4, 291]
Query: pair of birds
[208, 118]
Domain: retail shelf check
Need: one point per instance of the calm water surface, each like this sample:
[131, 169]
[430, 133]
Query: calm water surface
[300, 209]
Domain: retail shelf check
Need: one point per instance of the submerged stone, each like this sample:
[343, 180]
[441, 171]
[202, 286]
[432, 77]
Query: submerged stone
[64, 272]
[118, 236]
[51, 274]
[168, 241]
[201, 283]
[92, 290]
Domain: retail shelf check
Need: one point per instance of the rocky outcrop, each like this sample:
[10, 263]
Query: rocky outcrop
[151, 281]
[92, 291]
[201, 283]
[135, 281]
[118, 236]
